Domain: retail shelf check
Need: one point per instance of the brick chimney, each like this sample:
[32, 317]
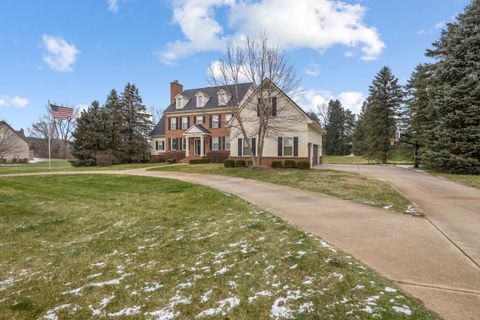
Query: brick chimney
[175, 88]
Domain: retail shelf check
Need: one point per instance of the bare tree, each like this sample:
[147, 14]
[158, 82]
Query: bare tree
[156, 113]
[9, 140]
[266, 68]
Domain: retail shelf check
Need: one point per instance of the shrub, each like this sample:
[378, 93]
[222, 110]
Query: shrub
[276, 164]
[199, 161]
[3, 160]
[82, 163]
[290, 164]
[303, 165]
[218, 156]
[164, 157]
[240, 164]
[171, 161]
[229, 163]
[25, 160]
[249, 163]
[14, 160]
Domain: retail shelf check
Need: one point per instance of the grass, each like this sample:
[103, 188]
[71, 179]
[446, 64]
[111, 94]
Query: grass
[398, 159]
[131, 251]
[465, 179]
[64, 165]
[349, 186]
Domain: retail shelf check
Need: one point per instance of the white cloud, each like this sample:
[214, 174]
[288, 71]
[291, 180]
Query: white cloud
[313, 70]
[60, 55]
[215, 68]
[352, 100]
[13, 102]
[315, 24]
[112, 5]
[440, 25]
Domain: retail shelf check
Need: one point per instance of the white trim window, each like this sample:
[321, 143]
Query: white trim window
[184, 123]
[161, 145]
[179, 103]
[228, 118]
[199, 119]
[215, 143]
[174, 143]
[184, 143]
[227, 143]
[215, 121]
[173, 123]
[246, 151]
[288, 147]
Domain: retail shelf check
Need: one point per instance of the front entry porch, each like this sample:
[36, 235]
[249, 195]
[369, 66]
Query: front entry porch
[195, 141]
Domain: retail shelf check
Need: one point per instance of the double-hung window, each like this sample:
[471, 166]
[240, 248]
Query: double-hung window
[173, 123]
[215, 143]
[199, 119]
[228, 117]
[174, 145]
[215, 121]
[184, 123]
[161, 145]
[227, 143]
[287, 147]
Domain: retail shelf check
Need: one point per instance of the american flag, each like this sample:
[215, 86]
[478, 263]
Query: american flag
[60, 112]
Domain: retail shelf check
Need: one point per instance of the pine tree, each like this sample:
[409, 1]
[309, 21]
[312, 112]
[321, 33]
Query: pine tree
[136, 125]
[113, 105]
[349, 129]
[359, 144]
[453, 142]
[383, 103]
[335, 136]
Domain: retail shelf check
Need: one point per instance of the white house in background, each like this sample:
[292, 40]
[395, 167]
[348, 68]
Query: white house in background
[13, 144]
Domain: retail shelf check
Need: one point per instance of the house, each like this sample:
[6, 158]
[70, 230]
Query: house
[13, 144]
[199, 121]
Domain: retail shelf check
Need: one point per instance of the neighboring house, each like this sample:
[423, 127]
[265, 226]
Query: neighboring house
[199, 121]
[13, 144]
[59, 148]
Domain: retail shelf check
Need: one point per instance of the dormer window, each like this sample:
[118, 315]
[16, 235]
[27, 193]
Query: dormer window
[179, 103]
[202, 100]
[223, 97]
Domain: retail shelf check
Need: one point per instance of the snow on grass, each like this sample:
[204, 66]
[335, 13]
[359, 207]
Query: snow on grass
[264, 293]
[224, 306]
[130, 311]
[206, 296]
[152, 287]
[405, 310]
[7, 283]
[163, 314]
[52, 313]
[388, 289]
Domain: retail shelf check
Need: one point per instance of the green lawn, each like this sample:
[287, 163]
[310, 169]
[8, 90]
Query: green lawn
[64, 165]
[349, 186]
[77, 247]
[468, 180]
[362, 160]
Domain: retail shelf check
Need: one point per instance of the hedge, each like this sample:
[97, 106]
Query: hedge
[304, 165]
[199, 161]
[229, 163]
[171, 161]
[276, 164]
[240, 164]
[290, 164]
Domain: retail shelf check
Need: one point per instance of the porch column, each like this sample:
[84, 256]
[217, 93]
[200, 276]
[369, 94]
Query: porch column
[201, 146]
[187, 152]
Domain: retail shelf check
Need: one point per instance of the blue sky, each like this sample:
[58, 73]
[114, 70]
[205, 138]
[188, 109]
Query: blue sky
[74, 52]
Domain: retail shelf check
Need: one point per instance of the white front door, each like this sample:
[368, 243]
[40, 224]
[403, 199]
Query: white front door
[198, 147]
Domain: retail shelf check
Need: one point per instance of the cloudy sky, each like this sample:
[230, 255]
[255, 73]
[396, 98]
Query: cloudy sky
[74, 52]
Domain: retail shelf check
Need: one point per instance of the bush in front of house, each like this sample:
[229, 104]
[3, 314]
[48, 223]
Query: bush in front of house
[199, 161]
[291, 164]
[240, 164]
[276, 164]
[171, 161]
[82, 162]
[229, 163]
[218, 156]
[304, 165]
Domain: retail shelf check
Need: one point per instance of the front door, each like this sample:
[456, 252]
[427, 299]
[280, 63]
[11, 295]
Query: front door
[315, 155]
[197, 147]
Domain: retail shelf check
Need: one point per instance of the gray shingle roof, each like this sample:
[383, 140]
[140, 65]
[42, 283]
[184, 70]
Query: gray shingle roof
[159, 129]
[212, 93]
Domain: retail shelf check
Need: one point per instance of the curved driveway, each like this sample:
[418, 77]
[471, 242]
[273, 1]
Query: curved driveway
[405, 249]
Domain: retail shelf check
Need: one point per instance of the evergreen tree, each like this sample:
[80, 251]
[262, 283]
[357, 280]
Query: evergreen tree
[113, 105]
[453, 142]
[349, 129]
[380, 119]
[359, 144]
[135, 127]
[335, 136]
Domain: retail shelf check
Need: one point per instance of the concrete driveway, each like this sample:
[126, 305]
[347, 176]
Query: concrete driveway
[453, 208]
[408, 250]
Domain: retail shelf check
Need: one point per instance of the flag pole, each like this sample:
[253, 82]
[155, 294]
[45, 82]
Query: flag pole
[49, 134]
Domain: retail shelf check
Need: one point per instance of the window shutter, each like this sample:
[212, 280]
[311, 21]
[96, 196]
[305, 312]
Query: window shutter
[180, 144]
[280, 146]
[258, 107]
[194, 119]
[188, 122]
[169, 144]
[219, 120]
[169, 123]
[274, 106]
[240, 147]
[254, 146]
[223, 143]
[156, 145]
[210, 142]
[295, 146]
[179, 123]
[211, 120]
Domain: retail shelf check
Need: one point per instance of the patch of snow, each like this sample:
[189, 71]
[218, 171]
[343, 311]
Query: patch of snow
[206, 296]
[306, 307]
[7, 283]
[96, 275]
[221, 271]
[388, 207]
[208, 236]
[163, 314]
[405, 310]
[184, 285]
[300, 254]
[388, 289]
[126, 312]
[293, 267]
[224, 306]
[52, 313]
[265, 293]
[326, 245]
[153, 287]
[359, 287]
